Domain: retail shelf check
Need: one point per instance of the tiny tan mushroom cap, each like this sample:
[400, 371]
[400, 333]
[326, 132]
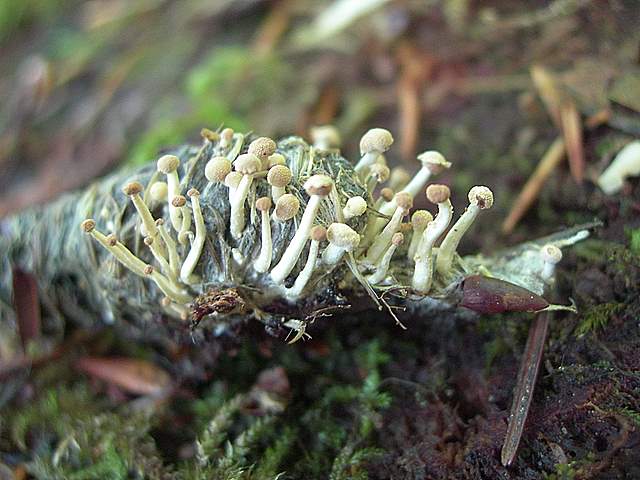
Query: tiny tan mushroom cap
[437, 193]
[88, 225]
[320, 185]
[420, 219]
[179, 201]
[381, 172]
[232, 179]
[262, 147]
[404, 201]
[132, 188]
[112, 239]
[217, 169]
[343, 236]
[168, 163]
[387, 194]
[376, 140]
[158, 191]
[397, 239]
[248, 163]
[227, 134]
[279, 176]
[481, 196]
[277, 159]
[318, 233]
[551, 254]
[263, 204]
[193, 192]
[148, 241]
[434, 161]
[148, 270]
[356, 206]
[287, 207]
[209, 135]
[327, 134]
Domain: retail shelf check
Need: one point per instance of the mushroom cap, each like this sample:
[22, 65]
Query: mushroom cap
[397, 239]
[356, 206]
[481, 196]
[248, 163]
[148, 269]
[262, 147]
[551, 254]
[179, 201]
[193, 192]
[263, 204]
[343, 236]
[287, 207]
[158, 191]
[404, 201]
[387, 194]
[326, 134]
[437, 193]
[320, 185]
[279, 176]
[380, 172]
[209, 135]
[232, 179]
[420, 219]
[276, 159]
[168, 163]
[227, 134]
[318, 233]
[132, 188]
[217, 169]
[433, 160]
[148, 241]
[88, 225]
[376, 140]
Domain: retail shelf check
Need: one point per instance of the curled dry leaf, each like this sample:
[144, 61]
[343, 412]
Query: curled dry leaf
[135, 376]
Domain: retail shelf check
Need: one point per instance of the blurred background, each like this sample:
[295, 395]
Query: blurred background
[533, 99]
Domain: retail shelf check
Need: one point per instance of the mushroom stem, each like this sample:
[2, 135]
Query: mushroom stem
[342, 239]
[193, 256]
[174, 259]
[380, 272]
[166, 287]
[419, 220]
[551, 256]
[318, 233]
[168, 165]
[132, 190]
[403, 205]
[263, 262]
[240, 194]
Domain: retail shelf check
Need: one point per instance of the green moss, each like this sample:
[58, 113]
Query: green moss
[597, 318]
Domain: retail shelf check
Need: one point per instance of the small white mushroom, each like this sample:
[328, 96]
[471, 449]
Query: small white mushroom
[625, 164]
[198, 243]
[226, 137]
[342, 239]
[551, 256]
[354, 207]
[480, 198]
[325, 137]
[419, 221]
[263, 262]
[277, 159]
[231, 181]
[217, 169]
[168, 164]
[377, 174]
[318, 235]
[263, 148]
[109, 243]
[380, 272]
[423, 272]
[279, 177]
[403, 202]
[184, 234]
[158, 192]
[247, 164]
[372, 144]
[317, 187]
[287, 207]
[174, 259]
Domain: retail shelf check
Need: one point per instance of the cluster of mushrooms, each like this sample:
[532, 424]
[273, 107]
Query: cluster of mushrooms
[371, 251]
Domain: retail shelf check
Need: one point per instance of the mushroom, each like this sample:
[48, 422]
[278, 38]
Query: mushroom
[195, 251]
[178, 295]
[551, 256]
[380, 272]
[423, 272]
[226, 137]
[279, 177]
[354, 207]
[317, 187]
[377, 174]
[342, 239]
[158, 192]
[277, 159]
[318, 234]
[174, 259]
[184, 234]
[403, 202]
[419, 221]
[480, 198]
[625, 164]
[262, 147]
[263, 262]
[247, 164]
[231, 181]
[325, 137]
[372, 144]
[168, 164]
[287, 207]
[209, 135]
[217, 169]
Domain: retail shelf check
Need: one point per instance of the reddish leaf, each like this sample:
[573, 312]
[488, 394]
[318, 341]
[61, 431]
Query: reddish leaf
[135, 376]
[491, 295]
